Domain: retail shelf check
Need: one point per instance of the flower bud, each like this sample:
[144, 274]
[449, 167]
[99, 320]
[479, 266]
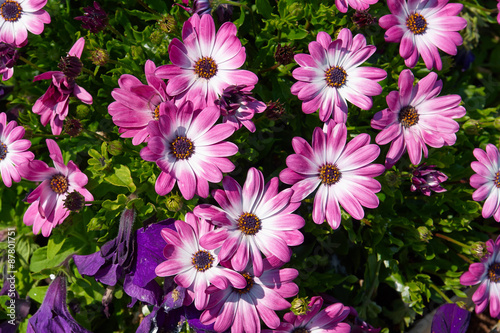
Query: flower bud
[424, 233]
[115, 147]
[471, 127]
[362, 18]
[275, 110]
[94, 18]
[71, 66]
[74, 201]
[99, 57]
[284, 54]
[426, 179]
[478, 249]
[72, 127]
[300, 306]
[392, 178]
[174, 202]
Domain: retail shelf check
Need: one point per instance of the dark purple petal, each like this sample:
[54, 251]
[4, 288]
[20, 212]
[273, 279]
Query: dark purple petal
[450, 318]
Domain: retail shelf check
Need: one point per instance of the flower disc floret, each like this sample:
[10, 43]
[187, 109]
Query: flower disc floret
[11, 11]
[3, 151]
[59, 183]
[335, 76]
[205, 67]
[202, 260]
[250, 282]
[249, 224]
[408, 116]
[182, 148]
[329, 174]
[416, 23]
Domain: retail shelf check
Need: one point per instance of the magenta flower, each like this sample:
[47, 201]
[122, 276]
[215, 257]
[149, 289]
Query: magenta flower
[194, 266]
[343, 5]
[253, 220]
[487, 275]
[341, 173]
[330, 75]
[328, 320]
[205, 63]
[422, 27]
[498, 16]
[47, 200]
[242, 309]
[426, 179]
[94, 18]
[487, 180]
[188, 149]
[53, 105]
[238, 107]
[13, 150]
[19, 16]
[8, 57]
[416, 117]
[137, 104]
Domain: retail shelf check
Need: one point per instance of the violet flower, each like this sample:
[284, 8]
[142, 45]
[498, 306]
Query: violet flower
[17, 308]
[450, 318]
[426, 179]
[200, 7]
[53, 314]
[94, 18]
[8, 57]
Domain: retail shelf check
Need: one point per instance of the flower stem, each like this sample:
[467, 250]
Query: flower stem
[467, 260]
[443, 295]
[273, 67]
[94, 134]
[147, 8]
[94, 202]
[49, 136]
[31, 64]
[116, 32]
[449, 239]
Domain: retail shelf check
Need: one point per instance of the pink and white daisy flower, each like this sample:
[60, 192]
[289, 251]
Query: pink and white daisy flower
[53, 105]
[331, 75]
[423, 26]
[328, 320]
[416, 117]
[194, 266]
[137, 104]
[47, 208]
[487, 180]
[189, 149]
[13, 150]
[205, 63]
[254, 219]
[242, 309]
[487, 275]
[343, 5]
[341, 173]
[19, 16]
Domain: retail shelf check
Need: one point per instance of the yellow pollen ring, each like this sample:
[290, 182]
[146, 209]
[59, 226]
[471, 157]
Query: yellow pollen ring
[59, 184]
[249, 224]
[335, 77]
[14, 9]
[416, 23]
[205, 67]
[497, 179]
[329, 174]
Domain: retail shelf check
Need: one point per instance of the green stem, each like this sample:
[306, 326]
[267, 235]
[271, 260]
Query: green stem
[116, 32]
[449, 239]
[232, 3]
[49, 136]
[147, 8]
[467, 260]
[94, 202]
[443, 295]
[31, 64]
[358, 127]
[115, 62]
[94, 134]
[273, 67]
[88, 71]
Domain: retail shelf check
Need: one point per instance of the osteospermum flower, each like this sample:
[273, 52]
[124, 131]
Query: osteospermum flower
[13, 150]
[328, 320]
[331, 75]
[242, 309]
[189, 149]
[487, 180]
[341, 173]
[8, 58]
[422, 27]
[19, 16]
[195, 267]
[47, 208]
[487, 275]
[426, 179]
[205, 63]
[254, 219]
[343, 5]
[137, 104]
[53, 105]
[416, 117]
[94, 18]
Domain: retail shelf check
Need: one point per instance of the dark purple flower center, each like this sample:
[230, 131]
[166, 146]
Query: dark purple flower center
[71, 66]
[494, 272]
[182, 147]
[202, 260]
[59, 183]
[416, 23]
[3, 150]
[205, 67]
[408, 116]
[11, 10]
[329, 174]
[335, 77]
[249, 224]
[497, 179]
[300, 330]
[249, 286]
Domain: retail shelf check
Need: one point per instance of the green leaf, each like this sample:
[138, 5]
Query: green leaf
[264, 8]
[145, 16]
[38, 293]
[54, 246]
[122, 177]
[119, 203]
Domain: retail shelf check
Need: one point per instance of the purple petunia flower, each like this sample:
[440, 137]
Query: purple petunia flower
[94, 18]
[416, 117]
[254, 219]
[342, 173]
[205, 63]
[328, 320]
[343, 5]
[426, 179]
[137, 104]
[450, 318]
[195, 267]
[13, 150]
[487, 275]
[242, 309]
[17, 17]
[487, 180]
[238, 107]
[53, 314]
[47, 200]
[189, 149]
[422, 27]
[331, 75]
[53, 105]
[8, 57]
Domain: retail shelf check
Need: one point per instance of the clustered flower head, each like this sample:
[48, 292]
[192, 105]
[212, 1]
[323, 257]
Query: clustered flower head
[94, 18]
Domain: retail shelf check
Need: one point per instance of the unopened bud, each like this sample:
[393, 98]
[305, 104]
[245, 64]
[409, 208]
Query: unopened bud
[72, 127]
[74, 201]
[300, 306]
[478, 249]
[99, 57]
[71, 66]
[392, 178]
[115, 147]
[82, 111]
[471, 127]
[424, 233]
[174, 203]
